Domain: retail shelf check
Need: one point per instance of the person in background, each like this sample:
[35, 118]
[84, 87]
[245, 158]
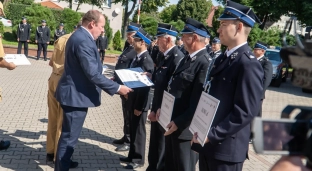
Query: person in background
[59, 32]
[102, 44]
[181, 46]
[216, 48]
[42, 39]
[207, 41]
[23, 36]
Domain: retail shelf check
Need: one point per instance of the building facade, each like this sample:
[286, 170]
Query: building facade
[111, 10]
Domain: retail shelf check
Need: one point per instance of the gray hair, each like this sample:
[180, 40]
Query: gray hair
[173, 38]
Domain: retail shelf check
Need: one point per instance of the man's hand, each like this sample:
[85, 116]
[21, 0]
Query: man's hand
[137, 112]
[152, 116]
[172, 127]
[27, 40]
[11, 66]
[98, 49]
[124, 90]
[48, 42]
[18, 39]
[36, 41]
[105, 50]
[194, 140]
[149, 75]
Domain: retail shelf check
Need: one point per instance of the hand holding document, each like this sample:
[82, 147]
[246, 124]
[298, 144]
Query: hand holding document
[17, 59]
[166, 110]
[203, 117]
[133, 78]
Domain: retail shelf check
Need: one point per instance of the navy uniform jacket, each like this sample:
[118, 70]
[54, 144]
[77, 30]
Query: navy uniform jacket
[43, 34]
[209, 49]
[101, 42]
[163, 74]
[58, 34]
[82, 80]
[124, 60]
[215, 54]
[23, 32]
[182, 49]
[186, 87]
[138, 99]
[268, 73]
[237, 82]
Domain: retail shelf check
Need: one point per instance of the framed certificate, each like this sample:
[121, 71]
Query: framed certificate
[17, 59]
[203, 117]
[133, 78]
[166, 109]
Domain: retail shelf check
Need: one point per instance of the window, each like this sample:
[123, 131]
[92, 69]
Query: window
[107, 3]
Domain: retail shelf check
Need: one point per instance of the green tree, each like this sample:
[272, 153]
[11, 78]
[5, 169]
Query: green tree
[152, 5]
[1, 28]
[70, 18]
[168, 14]
[149, 22]
[117, 41]
[179, 25]
[196, 9]
[25, 2]
[108, 30]
[35, 13]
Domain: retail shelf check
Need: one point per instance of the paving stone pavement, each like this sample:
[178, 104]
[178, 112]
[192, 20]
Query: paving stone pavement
[23, 121]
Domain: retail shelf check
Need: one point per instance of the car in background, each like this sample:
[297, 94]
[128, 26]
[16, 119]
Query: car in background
[6, 22]
[280, 68]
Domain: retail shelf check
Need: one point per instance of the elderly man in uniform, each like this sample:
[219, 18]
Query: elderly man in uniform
[166, 35]
[137, 103]
[235, 80]
[43, 39]
[23, 36]
[124, 61]
[55, 112]
[181, 46]
[216, 48]
[59, 32]
[186, 85]
[207, 41]
[10, 66]
[259, 51]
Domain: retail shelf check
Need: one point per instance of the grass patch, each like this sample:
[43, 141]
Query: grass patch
[11, 40]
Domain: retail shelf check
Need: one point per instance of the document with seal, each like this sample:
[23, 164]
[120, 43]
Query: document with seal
[17, 59]
[166, 110]
[203, 117]
[133, 78]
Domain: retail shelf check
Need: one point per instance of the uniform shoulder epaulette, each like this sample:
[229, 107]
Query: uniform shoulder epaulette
[249, 54]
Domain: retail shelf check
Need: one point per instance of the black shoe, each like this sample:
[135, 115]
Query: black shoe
[123, 148]
[73, 164]
[37, 59]
[125, 159]
[49, 158]
[133, 165]
[4, 145]
[120, 141]
[45, 59]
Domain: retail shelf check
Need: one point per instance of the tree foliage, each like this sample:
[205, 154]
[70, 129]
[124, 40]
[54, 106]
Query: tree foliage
[70, 18]
[117, 41]
[197, 9]
[168, 14]
[15, 12]
[179, 25]
[25, 2]
[108, 30]
[149, 22]
[152, 5]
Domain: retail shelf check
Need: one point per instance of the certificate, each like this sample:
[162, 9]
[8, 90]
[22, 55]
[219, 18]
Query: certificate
[17, 59]
[166, 110]
[203, 117]
[133, 78]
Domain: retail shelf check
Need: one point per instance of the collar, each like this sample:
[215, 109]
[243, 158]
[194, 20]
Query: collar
[194, 53]
[229, 52]
[167, 51]
[87, 31]
[139, 55]
[260, 57]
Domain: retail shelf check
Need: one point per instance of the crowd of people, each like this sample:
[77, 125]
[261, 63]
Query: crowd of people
[183, 66]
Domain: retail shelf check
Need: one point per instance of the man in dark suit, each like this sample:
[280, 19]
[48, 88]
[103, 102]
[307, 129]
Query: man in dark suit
[124, 61]
[102, 44]
[43, 39]
[186, 85]
[80, 85]
[208, 47]
[59, 32]
[23, 36]
[181, 46]
[137, 103]
[259, 51]
[172, 55]
[236, 80]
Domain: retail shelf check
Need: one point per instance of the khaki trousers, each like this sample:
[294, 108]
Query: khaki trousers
[55, 116]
